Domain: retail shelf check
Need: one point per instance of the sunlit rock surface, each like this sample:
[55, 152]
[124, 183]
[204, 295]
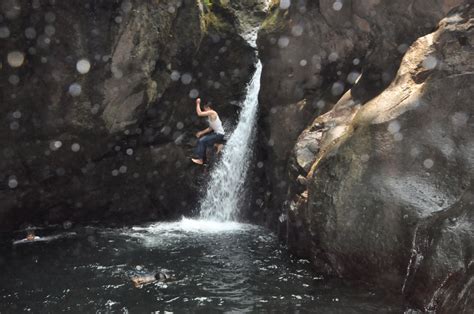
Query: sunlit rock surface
[382, 189]
[316, 50]
[97, 110]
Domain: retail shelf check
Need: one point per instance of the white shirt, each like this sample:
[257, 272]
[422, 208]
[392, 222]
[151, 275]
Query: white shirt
[216, 125]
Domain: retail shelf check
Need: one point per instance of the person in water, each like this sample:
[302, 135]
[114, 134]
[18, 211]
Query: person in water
[208, 137]
[31, 236]
[139, 281]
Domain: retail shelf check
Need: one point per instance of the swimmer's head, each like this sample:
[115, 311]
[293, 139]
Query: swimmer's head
[30, 236]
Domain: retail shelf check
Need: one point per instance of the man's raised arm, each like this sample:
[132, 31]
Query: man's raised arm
[199, 111]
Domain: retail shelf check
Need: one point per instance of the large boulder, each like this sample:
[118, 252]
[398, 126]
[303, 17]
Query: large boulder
[97, 97]
[386, 187]
[314, 51]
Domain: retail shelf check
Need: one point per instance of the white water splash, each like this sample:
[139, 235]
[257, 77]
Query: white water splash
[192, 226]
[226, 186]
[170, 234]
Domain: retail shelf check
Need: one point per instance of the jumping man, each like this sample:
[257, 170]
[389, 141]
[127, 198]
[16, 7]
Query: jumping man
[209, 136]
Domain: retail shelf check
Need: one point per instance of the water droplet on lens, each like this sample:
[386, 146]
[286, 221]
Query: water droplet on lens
[186, 78]
[15, 59]
[49, 30]
[50, 17]
[12, 183]
[414, 152]
[194, 93]
[4, 32]
[83, 66]
[398, 137]
[394, 127]
[459, 119]
[337, 5]
[30, 33]
[55, 145]
[428, 163]
[175, 75]
[333, 56]
[297, 30]
[126, 6]
[14, 79]
[353, 77]
[430, 63]
[337, 89]
[285, 4]
[283, 42]
[75, 89]
[14, 126]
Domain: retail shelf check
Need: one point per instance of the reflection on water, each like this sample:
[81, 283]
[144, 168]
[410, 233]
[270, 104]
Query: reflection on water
[220, 267]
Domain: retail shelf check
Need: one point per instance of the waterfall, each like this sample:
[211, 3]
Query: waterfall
[225, 189]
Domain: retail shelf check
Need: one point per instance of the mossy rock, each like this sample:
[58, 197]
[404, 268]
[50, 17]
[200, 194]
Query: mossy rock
[275, 21]
[214, 17]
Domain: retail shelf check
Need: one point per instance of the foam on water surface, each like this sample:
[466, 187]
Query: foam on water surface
[187, 225]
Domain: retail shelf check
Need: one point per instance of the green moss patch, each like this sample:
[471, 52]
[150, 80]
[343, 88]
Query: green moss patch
[275, 21]
[211, 19]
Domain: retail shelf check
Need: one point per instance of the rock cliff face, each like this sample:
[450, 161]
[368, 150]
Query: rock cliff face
[97, 107]
[314, 51]
[377, 185]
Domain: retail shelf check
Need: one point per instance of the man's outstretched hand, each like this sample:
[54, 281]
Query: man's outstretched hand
[198, 101]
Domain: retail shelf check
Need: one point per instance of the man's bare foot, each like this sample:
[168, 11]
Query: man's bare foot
[197, 161]
[219, 148]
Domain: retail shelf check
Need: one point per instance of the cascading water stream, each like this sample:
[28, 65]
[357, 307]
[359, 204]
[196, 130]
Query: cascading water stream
[227, 180]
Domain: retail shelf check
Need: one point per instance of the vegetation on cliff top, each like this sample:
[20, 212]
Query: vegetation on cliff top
[275, 20]
[211, 19]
